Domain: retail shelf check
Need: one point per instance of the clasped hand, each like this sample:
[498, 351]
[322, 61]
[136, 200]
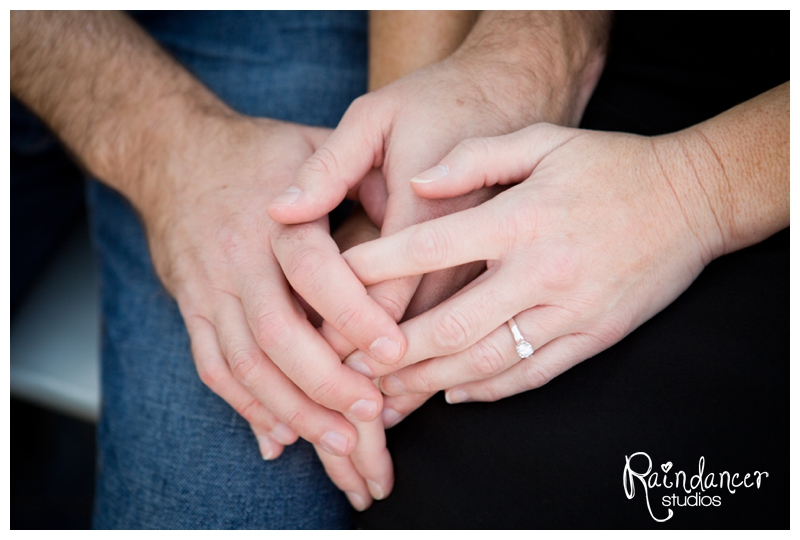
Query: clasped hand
[590, 242]
[593, 239]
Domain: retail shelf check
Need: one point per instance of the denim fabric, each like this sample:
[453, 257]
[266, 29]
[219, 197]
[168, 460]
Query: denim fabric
[171, 453]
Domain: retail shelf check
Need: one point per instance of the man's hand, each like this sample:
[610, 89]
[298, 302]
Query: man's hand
[201, 176]
[209, 238]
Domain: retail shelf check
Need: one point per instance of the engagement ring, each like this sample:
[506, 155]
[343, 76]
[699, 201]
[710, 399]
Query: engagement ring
[524, 349]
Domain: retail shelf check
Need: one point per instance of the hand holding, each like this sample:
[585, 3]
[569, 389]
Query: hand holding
[595, 238]
[501, 78]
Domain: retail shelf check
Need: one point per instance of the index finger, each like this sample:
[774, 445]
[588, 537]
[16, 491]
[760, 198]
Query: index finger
[476, 234]
[313, 265]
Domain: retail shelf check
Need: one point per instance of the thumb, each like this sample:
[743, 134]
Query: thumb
[489, 161]
[322, 182]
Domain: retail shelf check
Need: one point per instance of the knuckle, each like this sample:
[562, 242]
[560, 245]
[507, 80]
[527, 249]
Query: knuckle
[286, 240]
[486, 360]
[609, 332]
[364, 107]
[428, 246]
[492, 392]
[231, 243]
[515, 224]
[278, 232]
[295, 419]
[419, 380]
[347, 319]
[559, 270]
[534, 375]
[304, 265]
[323, 161]
[391, 300]
[211, 374]
[473, 149]
[451, 332]
[270, 326]
[242, 363]
[320, 390]
[249, 411]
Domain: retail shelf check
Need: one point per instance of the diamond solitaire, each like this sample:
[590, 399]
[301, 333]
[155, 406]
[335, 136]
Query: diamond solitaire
[524, 349]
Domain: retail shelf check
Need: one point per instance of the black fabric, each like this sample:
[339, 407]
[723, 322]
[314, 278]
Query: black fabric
[46, 199]
[708, 376]
[669, 70]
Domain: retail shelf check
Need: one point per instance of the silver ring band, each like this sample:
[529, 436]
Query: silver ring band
[524, 349]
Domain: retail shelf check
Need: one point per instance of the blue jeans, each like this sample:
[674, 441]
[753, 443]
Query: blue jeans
[172, 454]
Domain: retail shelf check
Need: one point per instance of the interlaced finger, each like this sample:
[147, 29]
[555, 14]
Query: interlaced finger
[268, 384]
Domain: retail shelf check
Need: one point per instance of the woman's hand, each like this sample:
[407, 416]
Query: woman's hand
[602, 231]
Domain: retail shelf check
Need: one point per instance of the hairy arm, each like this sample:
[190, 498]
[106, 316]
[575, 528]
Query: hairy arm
[106, 89]
[544, 64]
[200, 175]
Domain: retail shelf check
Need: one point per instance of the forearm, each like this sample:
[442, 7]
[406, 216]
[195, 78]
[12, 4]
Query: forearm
[403, 41]
[109, 92]
[734, 169]
[537, 65]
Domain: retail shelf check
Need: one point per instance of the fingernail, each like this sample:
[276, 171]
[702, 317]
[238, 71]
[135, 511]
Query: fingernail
[456, 396]
[335, 443]
[265, 447]
[356, 500]
[288, 197]
[359, 367]
[375, 490]
[385, 350]
[431, 174]
[282, 433]
[393, 385]
[390, 418]
[364, 409]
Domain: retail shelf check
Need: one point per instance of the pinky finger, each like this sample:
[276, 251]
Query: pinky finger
[343, 473]
[396, 408]
[547, 363]
[269, 448]
[215, 373]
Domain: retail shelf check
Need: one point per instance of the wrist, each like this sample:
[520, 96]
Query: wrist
[692, 173]
[139, 150]
[536, 67]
